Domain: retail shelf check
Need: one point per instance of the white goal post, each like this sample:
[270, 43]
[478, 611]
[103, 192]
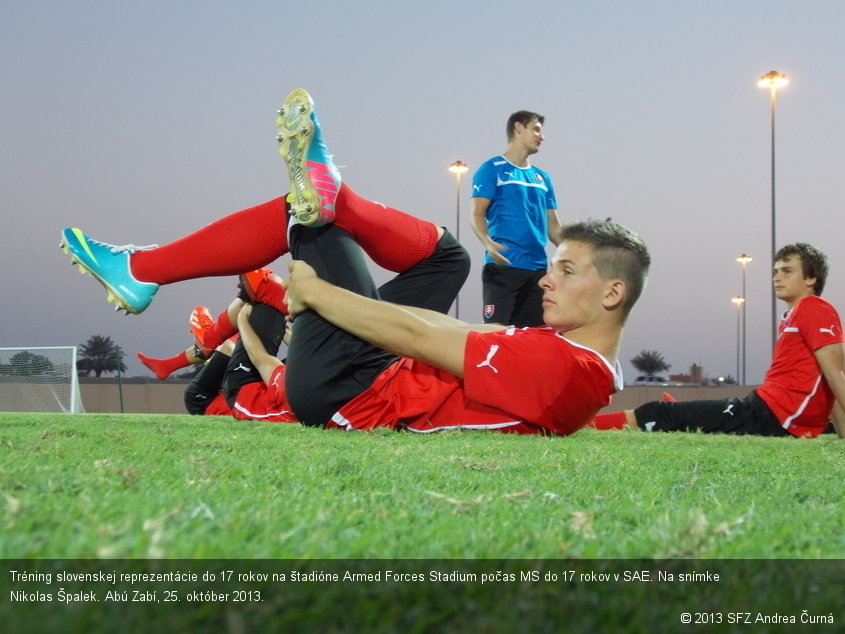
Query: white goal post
[39, 379]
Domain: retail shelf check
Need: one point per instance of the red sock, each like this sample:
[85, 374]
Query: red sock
[614, 420]
[219, 332]
[668, 398]
[271, 293]
[163, 368]
[254, 237]
[242, 241]
[393, 239]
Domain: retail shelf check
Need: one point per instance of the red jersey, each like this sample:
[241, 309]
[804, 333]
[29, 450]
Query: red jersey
[519, 380]
[256, 401]
[794, 387]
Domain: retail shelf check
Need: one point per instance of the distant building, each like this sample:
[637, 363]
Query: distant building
[695, 376]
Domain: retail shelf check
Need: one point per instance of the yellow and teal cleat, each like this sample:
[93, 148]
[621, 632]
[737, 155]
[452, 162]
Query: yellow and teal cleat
[109, 264]
[314, 178]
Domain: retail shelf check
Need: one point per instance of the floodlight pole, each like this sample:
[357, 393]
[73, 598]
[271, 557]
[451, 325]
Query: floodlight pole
[773, 80]
[119, 355]
[743, 260]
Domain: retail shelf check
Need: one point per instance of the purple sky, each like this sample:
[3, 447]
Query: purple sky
[142, 122]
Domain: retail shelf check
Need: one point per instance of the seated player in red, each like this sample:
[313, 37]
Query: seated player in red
[805, 384]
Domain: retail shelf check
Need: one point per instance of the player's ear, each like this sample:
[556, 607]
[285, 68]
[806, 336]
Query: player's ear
[614, 295]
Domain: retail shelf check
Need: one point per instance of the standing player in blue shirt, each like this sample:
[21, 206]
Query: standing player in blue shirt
[514, 215]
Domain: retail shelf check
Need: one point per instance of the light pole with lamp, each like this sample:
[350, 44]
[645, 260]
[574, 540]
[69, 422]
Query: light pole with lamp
[740, 304]
[743, 260]
[118, 356]
[458, 168]
[773, 80]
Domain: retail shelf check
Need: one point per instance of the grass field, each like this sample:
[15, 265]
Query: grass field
[151, 493]
[168, 486]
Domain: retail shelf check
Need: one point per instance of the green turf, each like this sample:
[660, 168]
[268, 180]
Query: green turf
[182, 487]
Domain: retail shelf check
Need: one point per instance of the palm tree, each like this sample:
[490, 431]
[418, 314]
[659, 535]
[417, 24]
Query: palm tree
[100, 354]
[650, 362]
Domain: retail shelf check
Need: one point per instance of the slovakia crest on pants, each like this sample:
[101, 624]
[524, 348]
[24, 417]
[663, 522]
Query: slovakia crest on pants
[489, 309]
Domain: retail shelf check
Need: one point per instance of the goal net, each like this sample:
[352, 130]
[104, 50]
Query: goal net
[39, 380]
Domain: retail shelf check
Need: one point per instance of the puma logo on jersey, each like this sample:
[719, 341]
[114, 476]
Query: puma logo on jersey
[486, 363]
[829, 331]
[729, 409]
[243, 367]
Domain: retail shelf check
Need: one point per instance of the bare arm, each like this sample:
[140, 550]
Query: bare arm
[264, 362]
[839, 420]
[554, 226]
[385, 325]
[831, 360]
[478, 221]
[439, 319]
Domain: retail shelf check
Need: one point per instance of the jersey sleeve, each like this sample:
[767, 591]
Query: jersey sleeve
[484, 181]
[551, 198]
[820, 325]
[276, 393]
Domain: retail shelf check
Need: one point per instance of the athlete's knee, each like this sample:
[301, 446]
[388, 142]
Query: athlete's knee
[453, 252]
[653, 416]
[196, 401]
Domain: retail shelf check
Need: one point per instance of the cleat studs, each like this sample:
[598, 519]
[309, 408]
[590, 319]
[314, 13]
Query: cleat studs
[280, 112]
[303, 130]
[280, 138]
[303, 108]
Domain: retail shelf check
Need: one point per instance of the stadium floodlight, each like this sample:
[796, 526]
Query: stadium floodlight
[39, 379]
[458, 168]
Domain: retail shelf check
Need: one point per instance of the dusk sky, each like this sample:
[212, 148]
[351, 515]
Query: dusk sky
[141, 122]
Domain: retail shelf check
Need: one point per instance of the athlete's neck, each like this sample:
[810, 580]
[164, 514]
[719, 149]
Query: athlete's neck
[603, 340]
[794, 302]
[517, 157]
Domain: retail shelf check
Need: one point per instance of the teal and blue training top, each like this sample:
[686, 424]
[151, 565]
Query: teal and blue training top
[517, 216]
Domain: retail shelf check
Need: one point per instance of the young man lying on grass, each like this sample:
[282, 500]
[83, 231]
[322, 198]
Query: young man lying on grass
[357, 362]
